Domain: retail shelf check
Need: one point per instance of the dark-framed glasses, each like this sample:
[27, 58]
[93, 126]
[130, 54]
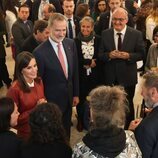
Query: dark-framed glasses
[118, 19]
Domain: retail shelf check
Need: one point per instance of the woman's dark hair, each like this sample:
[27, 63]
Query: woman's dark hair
[155, 31]
[96, 9]
[22, 61]
[46, 124]
[82, 9]
[6, 109]
[10, 5]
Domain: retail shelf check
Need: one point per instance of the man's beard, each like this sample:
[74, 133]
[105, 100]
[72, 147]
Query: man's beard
[148, 102]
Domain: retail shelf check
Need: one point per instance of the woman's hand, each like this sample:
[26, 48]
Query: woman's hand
[93, 63]
[42, 100]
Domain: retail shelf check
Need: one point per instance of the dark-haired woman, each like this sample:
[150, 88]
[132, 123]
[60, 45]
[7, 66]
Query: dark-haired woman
[9, 142]
[26, 91]
[99, 7]
[48, 137]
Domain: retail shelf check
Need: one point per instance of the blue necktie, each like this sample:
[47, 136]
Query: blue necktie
[70, 33]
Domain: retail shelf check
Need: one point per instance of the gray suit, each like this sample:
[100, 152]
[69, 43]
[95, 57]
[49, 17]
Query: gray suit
[20, 32]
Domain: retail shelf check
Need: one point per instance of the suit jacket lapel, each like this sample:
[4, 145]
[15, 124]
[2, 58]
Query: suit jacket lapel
[126, 38]
[111, 39]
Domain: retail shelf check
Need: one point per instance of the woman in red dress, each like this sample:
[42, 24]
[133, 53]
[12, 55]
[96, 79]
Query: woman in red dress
[27, 91]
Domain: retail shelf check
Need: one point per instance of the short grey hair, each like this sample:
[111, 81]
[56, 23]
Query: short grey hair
[55, 17]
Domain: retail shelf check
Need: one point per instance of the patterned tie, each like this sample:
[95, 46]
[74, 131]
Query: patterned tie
[28, 26]
[61, 59]
[119, 46]
[70, 29]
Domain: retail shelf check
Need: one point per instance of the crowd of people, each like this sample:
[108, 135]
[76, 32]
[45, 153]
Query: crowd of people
[80, 53]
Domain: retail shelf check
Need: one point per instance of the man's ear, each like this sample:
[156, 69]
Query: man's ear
[154, 93]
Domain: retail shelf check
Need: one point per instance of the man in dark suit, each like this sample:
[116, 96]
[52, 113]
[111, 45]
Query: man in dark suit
[120, 57]
[73, 26]
[146, 130]
[105, 20]
[22, 28]
[37, 8]
[58, 67]
[40, 34]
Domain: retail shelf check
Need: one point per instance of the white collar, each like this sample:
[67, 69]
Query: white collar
[123, 31]
[31, 84]
[53, 42]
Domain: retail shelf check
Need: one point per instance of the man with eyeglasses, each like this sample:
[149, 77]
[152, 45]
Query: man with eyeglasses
[105, 20]
[121, 47]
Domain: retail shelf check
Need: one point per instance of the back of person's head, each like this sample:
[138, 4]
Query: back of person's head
[155, 31]
[82, 10]
[46, 124]
[6, 109]
[108, 106]
[40, 25]
[51, 8]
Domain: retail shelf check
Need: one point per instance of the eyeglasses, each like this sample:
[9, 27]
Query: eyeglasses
[118, 19]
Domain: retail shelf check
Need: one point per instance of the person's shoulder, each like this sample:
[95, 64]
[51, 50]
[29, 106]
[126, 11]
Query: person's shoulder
[131, 148]
[68, 40]
[132, 30]
[11, 136]
[40, 48]
[149, 122]
[76, 18]
[107, 31]
[154, 46]
[105, 14]
[15, 86]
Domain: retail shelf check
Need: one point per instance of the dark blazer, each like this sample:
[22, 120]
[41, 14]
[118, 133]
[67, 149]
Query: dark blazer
[55, 150]
[147, 135]
[124, 71]
[103, 22]
[57, 88]
[36, 4]
[77, 24]
[20, 32]
[9, 145]
[30, 44]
